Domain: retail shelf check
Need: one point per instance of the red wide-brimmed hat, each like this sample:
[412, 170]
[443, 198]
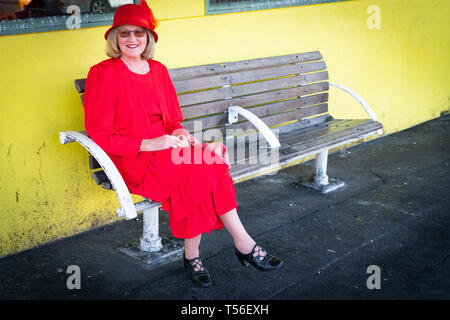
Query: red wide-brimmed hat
[135, 14]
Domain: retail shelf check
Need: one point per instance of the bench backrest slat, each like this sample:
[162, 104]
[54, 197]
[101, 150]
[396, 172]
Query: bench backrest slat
[274, 119]
[237, 77]
[213, 69]
[249, 88]
[252, 100]
[261, 111]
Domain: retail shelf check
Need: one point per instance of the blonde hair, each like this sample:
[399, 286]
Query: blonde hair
[113, 50]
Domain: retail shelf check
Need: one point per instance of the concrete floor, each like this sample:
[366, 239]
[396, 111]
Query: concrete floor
[394, 213]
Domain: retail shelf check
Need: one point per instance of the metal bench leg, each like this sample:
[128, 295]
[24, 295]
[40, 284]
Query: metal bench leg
[321, 180]
[150, 240]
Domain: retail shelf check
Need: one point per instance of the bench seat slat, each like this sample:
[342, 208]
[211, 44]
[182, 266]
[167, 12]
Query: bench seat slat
[101, 178]
[319, 130]
[291, 138]
[79, 85]
[309, 145]
[93, 164]
[340, 134]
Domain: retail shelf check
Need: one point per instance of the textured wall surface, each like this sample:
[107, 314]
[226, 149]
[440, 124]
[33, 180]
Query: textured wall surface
[394, 53]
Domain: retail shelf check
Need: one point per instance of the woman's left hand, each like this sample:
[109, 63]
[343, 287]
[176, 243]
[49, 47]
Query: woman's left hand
[184, 143]
[190, 138]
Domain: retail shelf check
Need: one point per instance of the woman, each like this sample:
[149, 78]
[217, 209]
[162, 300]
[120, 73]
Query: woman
[132, 112]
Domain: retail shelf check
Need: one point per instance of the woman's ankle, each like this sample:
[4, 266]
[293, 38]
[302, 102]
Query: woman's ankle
[191, 247]
[191, 254]
[245, 246]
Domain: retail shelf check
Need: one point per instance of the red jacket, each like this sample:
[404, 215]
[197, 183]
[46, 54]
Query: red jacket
[121, 109]
[111, 90]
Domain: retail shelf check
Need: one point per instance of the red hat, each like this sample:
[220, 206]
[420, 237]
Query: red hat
[135, 14]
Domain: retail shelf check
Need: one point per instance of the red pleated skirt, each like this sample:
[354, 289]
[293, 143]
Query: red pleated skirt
[195, 192]
[206, 216]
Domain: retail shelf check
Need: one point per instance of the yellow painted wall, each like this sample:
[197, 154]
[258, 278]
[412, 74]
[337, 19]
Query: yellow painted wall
[46, 192]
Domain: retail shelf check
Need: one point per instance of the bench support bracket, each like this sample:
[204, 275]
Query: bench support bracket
[150, 249]
[234, 111]
[127, 209]
[361, 101]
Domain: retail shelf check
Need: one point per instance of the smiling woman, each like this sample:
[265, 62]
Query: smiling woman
[130, 33]
[132, 112]
[132, 43]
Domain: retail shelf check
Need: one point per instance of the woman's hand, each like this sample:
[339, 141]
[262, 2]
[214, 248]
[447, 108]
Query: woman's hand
[221, 151]
[190, 138]
[164, 142]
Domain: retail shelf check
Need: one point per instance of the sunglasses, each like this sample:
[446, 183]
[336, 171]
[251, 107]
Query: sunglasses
[137, 33]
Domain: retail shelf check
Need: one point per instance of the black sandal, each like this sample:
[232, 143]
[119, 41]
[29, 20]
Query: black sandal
[197, 271]
[259, 258]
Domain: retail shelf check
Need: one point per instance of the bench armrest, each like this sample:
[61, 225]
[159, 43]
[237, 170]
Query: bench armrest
[127, 210]
[361, 101]
[233, 112]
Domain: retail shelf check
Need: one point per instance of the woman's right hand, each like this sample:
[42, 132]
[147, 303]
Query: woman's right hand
[164, 142]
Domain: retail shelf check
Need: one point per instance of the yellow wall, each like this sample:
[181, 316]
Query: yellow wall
[46, 192]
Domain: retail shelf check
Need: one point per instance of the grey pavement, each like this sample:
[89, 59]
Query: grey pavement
[394, 213]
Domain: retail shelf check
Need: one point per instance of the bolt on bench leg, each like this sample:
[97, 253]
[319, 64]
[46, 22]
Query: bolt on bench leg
[321, 180]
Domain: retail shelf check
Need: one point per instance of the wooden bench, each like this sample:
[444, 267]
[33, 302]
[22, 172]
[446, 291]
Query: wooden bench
[236, 103]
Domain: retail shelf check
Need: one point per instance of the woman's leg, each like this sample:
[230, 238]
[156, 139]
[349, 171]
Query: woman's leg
[245, 245]
[191, 247]
[192, 262]
[242, 240]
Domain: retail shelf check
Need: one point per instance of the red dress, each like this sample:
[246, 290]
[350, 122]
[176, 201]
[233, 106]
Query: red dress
[121, 109]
